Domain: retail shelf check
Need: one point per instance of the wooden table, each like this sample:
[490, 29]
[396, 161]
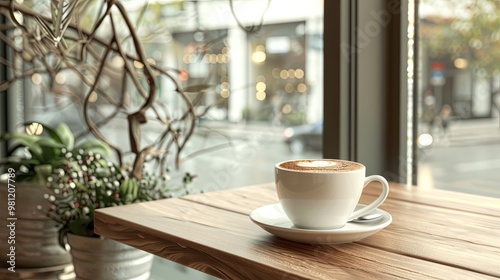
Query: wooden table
[434, 234]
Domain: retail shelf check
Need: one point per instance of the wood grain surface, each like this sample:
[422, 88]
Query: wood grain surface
[434, 234]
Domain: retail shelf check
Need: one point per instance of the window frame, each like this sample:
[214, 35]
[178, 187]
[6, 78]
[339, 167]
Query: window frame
[344, 137]
[4, 97]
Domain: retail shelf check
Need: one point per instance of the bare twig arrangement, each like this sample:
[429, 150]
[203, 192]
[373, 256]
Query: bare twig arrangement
[105, 53]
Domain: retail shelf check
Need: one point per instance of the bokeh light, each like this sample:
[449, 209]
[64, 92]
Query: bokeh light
[34, 129]
[36, 79]
[260, 95]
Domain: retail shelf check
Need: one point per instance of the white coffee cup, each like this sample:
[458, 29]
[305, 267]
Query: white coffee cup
[323, 193]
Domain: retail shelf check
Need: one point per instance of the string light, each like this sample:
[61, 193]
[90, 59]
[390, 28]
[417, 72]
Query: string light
[284, 74]
[301, 87]
[118, 61]
[36, 79]
[286, 109]
[93, 97]
[259, 56]
[260, 95]
[260, 86]
[299, 73]
[138, 64]
[60, 78]
[224, 93]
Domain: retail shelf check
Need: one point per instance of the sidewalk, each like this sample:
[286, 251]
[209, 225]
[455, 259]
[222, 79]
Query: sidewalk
[461, 132]
[242, 131]
[472, 132]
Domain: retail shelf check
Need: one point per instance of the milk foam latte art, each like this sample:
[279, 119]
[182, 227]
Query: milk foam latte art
[321, 165]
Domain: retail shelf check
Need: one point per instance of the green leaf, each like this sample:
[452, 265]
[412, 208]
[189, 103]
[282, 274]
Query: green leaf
[42, 172]
[103, 162]
[50, 143]
[66, 136]
[102, 172]
[25, 140]
[126, 188]
[62, 236]
[79, 226]
[51, 150]
[95, 146]
[15, 160]
[82, 186]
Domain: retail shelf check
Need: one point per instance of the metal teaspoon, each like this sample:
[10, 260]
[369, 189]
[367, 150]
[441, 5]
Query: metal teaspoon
[367, 218]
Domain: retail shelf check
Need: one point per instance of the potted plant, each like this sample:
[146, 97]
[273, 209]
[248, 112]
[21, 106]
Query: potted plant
[85, 182]
[32, 159]
[44, 148]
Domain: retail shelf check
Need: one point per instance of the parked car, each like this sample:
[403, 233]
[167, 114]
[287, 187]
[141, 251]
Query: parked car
[308, 136]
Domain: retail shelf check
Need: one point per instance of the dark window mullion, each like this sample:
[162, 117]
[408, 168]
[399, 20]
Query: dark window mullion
[3, 95]
[337, 49]
[353, 84]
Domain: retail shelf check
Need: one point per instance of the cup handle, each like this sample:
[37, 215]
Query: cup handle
[372, 206]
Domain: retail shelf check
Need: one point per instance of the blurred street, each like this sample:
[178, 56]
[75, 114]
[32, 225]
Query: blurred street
[467, 159]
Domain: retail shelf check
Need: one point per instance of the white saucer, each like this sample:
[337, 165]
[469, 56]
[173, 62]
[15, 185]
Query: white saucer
[272, 219]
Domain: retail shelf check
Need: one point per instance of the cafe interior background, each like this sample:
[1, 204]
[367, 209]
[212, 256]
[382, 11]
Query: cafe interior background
[409, 88]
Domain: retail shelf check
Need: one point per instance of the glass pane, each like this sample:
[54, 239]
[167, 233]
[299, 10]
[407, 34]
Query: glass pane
[252, 73]
[459, 102]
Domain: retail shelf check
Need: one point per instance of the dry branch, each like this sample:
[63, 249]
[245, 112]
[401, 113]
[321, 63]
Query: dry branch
[57, 41]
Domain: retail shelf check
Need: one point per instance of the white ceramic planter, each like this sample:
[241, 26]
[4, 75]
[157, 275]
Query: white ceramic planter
[97, 258]
[35, 235]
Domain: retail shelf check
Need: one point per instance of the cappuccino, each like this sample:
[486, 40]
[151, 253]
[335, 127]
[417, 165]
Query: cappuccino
[321, 165]
[324, 193]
